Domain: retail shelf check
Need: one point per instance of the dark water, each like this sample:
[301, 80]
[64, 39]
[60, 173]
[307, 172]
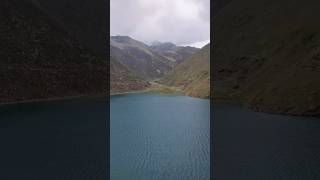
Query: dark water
[61, 140]
[154, 137]
[159, 137]
[259, 146]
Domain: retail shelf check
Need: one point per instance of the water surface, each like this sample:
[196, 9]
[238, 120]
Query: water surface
[257, 146]
[159, 137]
[58, 140]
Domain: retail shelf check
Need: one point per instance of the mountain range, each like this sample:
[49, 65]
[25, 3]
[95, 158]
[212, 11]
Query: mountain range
[265, 55]
[142, 63]
[171, 67]
[148, 62]
[49, 51]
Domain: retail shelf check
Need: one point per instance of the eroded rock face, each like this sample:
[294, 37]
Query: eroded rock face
[266, 55]
[39, 59]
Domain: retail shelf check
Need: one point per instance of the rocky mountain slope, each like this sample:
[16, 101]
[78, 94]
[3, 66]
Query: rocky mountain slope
[266, 55]
[39, 59]
[144, 61]
[192, 75]
[219, 4]
[137, 56]
[176, 54]
[123, 80]
[84, 20]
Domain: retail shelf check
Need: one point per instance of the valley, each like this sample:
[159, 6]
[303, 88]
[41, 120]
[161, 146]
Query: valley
[161, 67]
[47, 56]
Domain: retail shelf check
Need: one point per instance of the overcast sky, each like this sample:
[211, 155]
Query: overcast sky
[183, 22]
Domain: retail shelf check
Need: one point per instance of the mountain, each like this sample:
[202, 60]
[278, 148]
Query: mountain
[267, 55]
[144, 61]
[123, 80]
[192, 75]
[176, 54]
[39, 59]
[138, 57]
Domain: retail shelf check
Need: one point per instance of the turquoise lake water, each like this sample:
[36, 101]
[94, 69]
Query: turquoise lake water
[159, 137]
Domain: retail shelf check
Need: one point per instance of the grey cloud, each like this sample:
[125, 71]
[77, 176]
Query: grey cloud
[178, 21]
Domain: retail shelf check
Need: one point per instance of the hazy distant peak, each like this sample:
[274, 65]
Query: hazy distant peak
[156, 43]
[159, 43]
[126, 41]
[121, 39]
[163, 46]
[169, 46]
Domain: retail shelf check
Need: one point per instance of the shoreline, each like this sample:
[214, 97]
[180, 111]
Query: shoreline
[69, 98]
[220, 101]
[254, 109]
[124, 93]
[157, 88]
[51, 99]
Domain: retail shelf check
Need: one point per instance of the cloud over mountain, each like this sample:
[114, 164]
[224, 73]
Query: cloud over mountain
[178, 21]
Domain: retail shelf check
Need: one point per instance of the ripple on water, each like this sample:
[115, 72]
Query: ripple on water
[163, 137]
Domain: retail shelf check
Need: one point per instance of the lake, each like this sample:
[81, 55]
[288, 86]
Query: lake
[63, 140]
[257, 146]
[154, 137]
[159, 137]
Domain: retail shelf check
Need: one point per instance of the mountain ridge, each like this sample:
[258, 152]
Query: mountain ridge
[146, 62]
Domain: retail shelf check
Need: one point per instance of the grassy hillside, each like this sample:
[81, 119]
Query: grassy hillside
[122, 80]
[193, 75]
[39, 59]
[267, 55]
[84, 20]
